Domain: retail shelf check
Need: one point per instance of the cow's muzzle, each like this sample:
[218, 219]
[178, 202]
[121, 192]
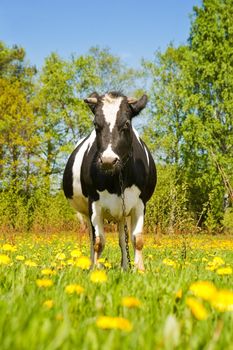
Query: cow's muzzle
[108, 163]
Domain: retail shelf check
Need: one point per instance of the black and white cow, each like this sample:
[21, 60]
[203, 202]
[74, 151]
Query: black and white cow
[91, 177]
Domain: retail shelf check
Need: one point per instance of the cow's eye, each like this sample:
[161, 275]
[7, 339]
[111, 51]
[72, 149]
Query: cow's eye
[126, 125]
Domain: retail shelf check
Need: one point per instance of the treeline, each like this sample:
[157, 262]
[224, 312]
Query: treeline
[189, 127]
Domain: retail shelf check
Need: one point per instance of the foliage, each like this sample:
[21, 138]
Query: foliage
[191, 112]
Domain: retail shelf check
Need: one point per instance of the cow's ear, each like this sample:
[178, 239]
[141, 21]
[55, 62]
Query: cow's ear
[92, 101]
[137, 105]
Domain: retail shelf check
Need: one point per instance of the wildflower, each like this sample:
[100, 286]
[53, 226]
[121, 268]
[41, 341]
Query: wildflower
[130, 302]
[106, 322]
[47, 272]
[75, 253]
[4, 259]
[8, 248]
[20, 258]
[60, 256]
[44, 283]
[223, 300]
[169, 262]
[74, 289]
[203, 289]
[83, 262]
[215, 264]
[224, 271]
[30, 263]
[197, 309]
[48, 304]
[179, 294]
[98, 276]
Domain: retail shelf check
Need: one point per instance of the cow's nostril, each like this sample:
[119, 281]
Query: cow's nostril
[115, 161]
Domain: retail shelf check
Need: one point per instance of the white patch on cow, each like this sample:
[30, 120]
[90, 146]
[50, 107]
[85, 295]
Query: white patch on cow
[138, 218]
[111, 204]
[79, 201]
[140, 141]
[137, 136]
[97, 219]
[147, 155]
[109, 153]
[110, 108]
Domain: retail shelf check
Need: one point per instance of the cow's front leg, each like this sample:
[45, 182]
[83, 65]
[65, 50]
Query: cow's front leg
[97, 230]
[122, 243]
[137, 234]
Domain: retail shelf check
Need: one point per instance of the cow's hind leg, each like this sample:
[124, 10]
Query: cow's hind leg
[137, 234]
[122, 243]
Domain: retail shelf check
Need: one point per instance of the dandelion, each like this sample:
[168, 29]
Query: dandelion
[76, 253]
[44, 283]
[60, 256]
[20, 258]
[48, 272]
[98, 277]
[179, 294]
[130, 302]
[197, 309]
[106, 322]
[223, 300]
[224, 271]
[215, 264]
[74, 289]
[203, 289]
[4, 259]
[8, 248]
[83, 262]
[48, 304]
[169, 262]
[30, 263]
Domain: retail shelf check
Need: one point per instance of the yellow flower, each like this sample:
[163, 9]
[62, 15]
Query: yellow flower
[216, 263]
[98, 277]
[75, 253]
[179, 294]
[20, 258]
[197, 309]
[203, 289]
[169, 262]
[48, 304]
[60, 256]
[8, 248]
[130, 302]
[30, 263]
[44, 283]
[47, 272]
[83, 262]
[106, 322]
[223, 300]
[224, 271]
[4, 259]
[74, 288]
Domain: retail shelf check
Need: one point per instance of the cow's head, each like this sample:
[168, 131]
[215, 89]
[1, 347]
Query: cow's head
[113, 113]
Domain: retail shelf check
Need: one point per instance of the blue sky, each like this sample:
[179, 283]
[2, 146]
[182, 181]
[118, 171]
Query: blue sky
[132, 29]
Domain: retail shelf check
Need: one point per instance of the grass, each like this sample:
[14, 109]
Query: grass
[69, 313]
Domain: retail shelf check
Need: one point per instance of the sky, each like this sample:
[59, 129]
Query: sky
[132, 29]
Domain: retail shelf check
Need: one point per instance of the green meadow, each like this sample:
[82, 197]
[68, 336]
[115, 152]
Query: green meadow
[51, 299]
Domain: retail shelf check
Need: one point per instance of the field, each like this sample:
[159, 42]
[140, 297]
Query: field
[49, 299]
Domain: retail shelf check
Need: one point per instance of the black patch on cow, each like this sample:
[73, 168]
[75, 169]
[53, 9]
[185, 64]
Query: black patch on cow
[68, 173]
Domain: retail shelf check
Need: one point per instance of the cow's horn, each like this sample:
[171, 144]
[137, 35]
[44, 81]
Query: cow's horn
[91, 100]
[131, 100]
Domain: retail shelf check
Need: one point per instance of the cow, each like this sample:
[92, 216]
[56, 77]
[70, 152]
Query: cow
[111, 173]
